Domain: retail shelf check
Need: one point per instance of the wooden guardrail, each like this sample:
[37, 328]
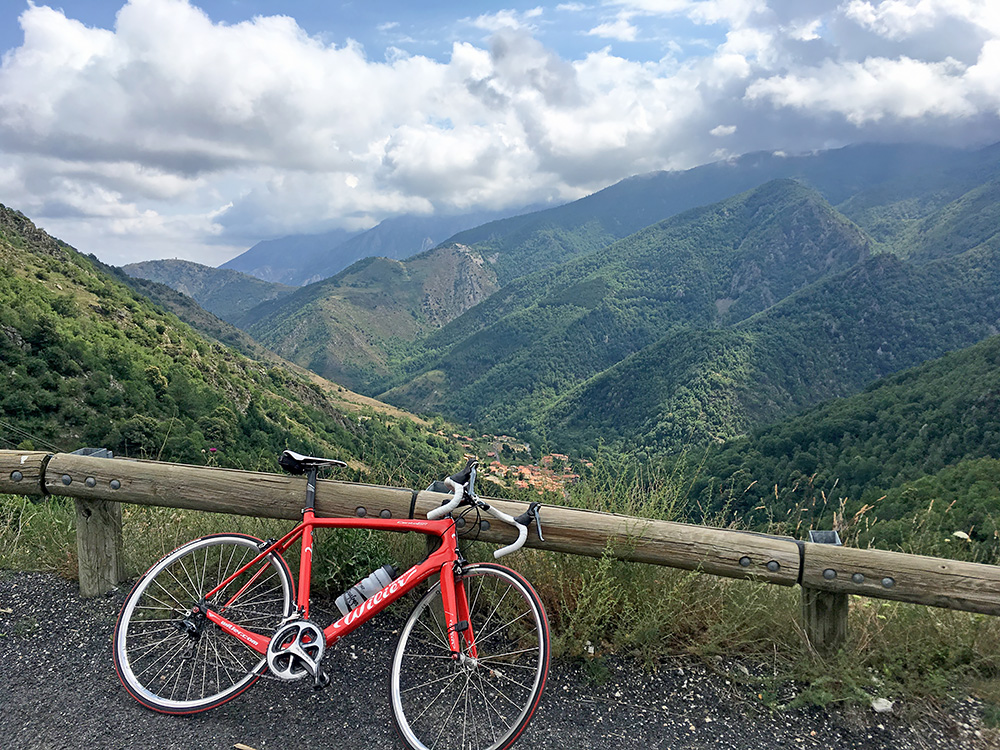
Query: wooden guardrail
[827, 574]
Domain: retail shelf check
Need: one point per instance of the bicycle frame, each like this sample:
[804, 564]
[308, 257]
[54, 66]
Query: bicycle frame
[442, 561]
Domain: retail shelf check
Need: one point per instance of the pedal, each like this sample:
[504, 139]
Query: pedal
[321, 680]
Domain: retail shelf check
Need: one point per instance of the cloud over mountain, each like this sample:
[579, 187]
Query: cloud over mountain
[175, 134]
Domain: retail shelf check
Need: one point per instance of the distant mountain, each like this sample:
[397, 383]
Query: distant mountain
[349, 326]
[536, 240]
[223, 292]
[881, 185]
[304, 259]
[282, 260]
[530, 242]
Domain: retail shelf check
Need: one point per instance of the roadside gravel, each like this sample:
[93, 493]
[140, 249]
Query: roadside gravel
[58, 689]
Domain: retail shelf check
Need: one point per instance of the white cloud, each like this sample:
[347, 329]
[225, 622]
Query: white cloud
[872, 90]
[899, 19]
[506, 19]
[174, 134]
[621, 29]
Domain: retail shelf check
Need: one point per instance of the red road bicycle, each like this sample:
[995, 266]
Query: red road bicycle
[213, 616]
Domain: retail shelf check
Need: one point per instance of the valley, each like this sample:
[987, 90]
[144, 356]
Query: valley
[668, 319]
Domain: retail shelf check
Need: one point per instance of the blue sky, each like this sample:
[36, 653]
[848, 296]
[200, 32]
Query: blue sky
[420, 28]
[172, 128]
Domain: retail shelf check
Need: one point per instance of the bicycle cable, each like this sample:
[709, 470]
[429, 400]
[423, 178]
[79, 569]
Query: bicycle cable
[463, 534]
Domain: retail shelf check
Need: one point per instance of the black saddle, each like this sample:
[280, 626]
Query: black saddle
[296, 463]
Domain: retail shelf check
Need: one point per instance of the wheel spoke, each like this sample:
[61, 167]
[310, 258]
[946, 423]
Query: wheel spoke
[169, 655]
[471, 703]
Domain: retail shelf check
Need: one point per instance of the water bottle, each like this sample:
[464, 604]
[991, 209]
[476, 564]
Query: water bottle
[356, 595]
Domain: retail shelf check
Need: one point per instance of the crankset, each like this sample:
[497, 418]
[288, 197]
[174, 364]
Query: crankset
[295, 651]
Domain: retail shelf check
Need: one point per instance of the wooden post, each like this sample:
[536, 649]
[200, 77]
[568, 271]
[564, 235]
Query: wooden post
[824, 613]
[824, 617]
[98, 546]
[98, 536]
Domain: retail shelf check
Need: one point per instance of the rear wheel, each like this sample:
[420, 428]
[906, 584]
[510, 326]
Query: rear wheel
[177, 662]
[480, 702]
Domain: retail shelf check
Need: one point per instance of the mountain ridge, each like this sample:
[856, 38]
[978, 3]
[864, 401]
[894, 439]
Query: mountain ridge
[223, 292]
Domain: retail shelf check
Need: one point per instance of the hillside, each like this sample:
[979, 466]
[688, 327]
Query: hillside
[189, 311]
[921, 438]
[504, 361]
[91, 363]
[831, 339]
[224, 293]
[347, 327]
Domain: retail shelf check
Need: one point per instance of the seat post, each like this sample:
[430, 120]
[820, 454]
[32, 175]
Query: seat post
[311, 488]
[305, 562]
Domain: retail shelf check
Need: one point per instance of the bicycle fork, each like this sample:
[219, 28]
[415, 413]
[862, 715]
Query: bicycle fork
[455, 601]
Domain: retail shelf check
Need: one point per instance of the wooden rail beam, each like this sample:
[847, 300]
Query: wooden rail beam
[931, 581]
[21, 472]
[581, 532]
[887, 575]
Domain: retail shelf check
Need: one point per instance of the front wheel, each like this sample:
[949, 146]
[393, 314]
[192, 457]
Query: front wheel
[475, 702]
[178, 662]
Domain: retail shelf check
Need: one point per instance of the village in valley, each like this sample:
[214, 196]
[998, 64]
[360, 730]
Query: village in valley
[508, 463]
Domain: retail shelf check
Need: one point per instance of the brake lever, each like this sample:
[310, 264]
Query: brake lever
[534, 511]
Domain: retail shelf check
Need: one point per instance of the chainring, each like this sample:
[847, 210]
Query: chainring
[295, 650]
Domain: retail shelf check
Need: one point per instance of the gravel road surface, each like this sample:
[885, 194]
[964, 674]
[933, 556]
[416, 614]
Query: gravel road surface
[58, 689]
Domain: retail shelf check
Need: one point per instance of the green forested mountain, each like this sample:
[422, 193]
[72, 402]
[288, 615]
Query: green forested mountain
[506, 360]
[831, 339]
[349, 326]
[223, 292]
[89, 362]
[918, 447]
[887, 190]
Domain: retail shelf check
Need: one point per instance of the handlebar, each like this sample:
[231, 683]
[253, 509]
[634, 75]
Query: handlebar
[462, 485]
[443, 510]
[522, 531]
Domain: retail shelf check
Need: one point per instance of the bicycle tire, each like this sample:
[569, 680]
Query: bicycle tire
[477, 704]
[171, 670]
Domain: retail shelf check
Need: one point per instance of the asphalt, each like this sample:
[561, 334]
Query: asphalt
[58, 689]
